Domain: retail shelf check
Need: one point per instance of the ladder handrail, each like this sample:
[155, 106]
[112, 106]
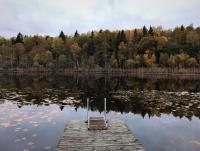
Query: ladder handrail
[88, 112]
[105, 112]
[88, 120]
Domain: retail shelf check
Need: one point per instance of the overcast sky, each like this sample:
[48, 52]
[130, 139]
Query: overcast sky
[49, 17]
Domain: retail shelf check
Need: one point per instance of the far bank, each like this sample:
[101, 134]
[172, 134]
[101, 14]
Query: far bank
[155, 72]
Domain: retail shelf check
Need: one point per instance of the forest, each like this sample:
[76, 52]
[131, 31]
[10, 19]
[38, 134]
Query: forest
[104, 49]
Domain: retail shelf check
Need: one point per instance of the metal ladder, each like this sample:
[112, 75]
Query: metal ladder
[88, 118]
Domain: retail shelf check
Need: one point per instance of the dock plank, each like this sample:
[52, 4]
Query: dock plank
[97, 123]
[116, 137]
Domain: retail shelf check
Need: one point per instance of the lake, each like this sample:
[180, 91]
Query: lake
[164, 114]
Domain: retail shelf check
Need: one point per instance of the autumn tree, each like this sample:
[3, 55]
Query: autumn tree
[191, 62]
[62, 61]
[149, 58]
[122, 55]
[164, 58]
[91, 49]
[76, 50]
[19, 51]
[178, 47]
[58, 48]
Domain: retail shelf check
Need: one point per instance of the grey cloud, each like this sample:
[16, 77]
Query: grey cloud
[51, 16]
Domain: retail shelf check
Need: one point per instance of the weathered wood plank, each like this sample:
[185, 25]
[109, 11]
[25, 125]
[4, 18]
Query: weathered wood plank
[117, 137]
[96, 118]
[97, 123]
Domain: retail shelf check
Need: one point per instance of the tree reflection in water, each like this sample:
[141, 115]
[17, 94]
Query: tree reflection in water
[124, 94]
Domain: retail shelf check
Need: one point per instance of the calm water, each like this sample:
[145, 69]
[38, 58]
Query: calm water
[35, 109]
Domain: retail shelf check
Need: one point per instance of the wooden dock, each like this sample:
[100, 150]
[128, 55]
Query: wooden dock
[115, 137]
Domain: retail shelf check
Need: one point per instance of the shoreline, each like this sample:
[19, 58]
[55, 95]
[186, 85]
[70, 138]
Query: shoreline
[149, 71]
[152, 73]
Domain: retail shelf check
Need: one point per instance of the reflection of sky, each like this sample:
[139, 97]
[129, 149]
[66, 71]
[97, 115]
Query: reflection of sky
[165, 133]
[39, 128]
[51, 16]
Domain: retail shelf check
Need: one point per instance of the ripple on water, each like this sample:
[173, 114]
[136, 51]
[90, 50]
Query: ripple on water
[47, 147]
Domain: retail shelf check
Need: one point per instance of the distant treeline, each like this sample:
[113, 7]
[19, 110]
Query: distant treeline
[123, 49]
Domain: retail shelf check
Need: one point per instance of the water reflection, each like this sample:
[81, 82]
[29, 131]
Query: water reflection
[27, 128]
[137, 95]
[34, 109]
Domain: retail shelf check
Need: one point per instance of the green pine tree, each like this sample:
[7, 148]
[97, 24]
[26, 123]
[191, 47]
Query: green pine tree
[145, 31]
[151, 32]
[19, 38]
[62, 36]
[76, 34]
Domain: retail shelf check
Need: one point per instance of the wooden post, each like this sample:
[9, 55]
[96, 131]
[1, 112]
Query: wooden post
[87, 110]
